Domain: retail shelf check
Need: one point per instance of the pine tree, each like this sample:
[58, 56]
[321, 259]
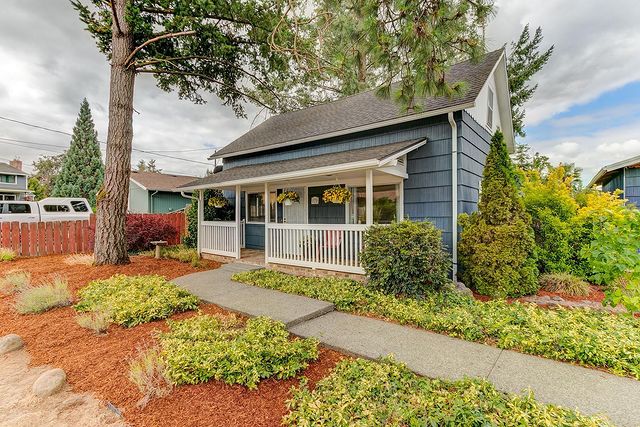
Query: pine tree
[82, 170]
[497, 245]
[525, 60]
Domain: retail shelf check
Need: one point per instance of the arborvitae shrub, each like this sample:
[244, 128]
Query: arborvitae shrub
[497, 247]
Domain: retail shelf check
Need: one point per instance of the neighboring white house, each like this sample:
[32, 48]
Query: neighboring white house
[13, 181]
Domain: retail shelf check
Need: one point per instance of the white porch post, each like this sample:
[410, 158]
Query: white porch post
[267, 218]
[400, 202]
[200, 219]
[238, 225]
[369, 197]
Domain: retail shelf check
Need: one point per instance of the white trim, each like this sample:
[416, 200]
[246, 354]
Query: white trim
[138, 184]
[237, 208]
[368, 197]
[454, 194]
[403, 119]
[200, 219]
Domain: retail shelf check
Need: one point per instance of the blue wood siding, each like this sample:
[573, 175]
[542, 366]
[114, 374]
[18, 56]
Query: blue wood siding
[615, 182]
[254, 236]
[324, 213]
[632, 190]
[473, 146]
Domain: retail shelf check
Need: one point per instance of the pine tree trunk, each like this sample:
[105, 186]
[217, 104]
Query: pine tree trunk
[111, 213]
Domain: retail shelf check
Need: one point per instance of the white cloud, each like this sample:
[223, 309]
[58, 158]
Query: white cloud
[595, 48]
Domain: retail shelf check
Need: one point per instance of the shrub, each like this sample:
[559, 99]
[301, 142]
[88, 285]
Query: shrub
[587, 337]
[7, 254]
[98, 321]
[144, 229]
[205, 347]
[366, 393]
[625, 290]
[15, 281]
[552, 234]
[565, 283]
[615, 249]
[405, 258]
[148, 372]
[42, 298]
[133, 300]
[497, 245]
[180, 253]
[79, 259]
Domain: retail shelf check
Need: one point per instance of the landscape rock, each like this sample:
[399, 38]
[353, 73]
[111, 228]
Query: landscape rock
[50, 382]
[10, 343]
[462, 288]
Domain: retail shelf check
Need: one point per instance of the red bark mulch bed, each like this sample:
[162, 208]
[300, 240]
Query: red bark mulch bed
[99, 364]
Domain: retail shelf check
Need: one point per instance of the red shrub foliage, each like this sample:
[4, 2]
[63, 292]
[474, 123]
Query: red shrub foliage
[142, 229]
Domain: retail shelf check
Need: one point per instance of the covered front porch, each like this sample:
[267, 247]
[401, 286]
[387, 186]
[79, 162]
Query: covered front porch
[310, 232]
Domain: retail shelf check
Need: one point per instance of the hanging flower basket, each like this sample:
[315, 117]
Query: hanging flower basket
[288, 197]
[336, 194]
[218, 202]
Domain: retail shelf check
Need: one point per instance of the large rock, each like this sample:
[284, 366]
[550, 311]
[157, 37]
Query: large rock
[10, 343]
[460, 287]
[50, 382]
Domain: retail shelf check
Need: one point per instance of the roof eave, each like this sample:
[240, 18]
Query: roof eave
[371, 126]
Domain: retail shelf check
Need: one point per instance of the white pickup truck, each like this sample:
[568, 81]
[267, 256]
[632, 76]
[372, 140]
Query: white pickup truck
[49, 209]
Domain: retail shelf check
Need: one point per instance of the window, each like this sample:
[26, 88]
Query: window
[8, 179]
[7, 196]
[255, 207]
[56, 208]
[18, 208]
[79, 206]
[385, 199]
[490, 109]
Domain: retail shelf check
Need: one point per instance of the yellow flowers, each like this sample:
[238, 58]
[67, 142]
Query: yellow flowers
[337, 195]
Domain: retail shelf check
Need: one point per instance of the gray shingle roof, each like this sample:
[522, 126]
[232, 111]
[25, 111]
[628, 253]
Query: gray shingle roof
[363, 109]
[283, 166]
[8, 169]
[160, 181]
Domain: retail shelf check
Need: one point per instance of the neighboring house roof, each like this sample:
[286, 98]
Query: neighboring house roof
[309, 166]
[153, 181]
[362, 111]
[10, 170]
[608, 170]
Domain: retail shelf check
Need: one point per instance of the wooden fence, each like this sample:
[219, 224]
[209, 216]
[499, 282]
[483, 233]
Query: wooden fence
[65, 237]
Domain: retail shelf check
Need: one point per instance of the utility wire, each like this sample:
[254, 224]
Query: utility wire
[102, 142]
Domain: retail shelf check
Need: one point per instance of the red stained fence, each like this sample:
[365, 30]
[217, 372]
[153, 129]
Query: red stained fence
[65, 237]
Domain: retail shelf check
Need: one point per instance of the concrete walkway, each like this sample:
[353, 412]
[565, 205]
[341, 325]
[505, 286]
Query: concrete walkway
[426, 353]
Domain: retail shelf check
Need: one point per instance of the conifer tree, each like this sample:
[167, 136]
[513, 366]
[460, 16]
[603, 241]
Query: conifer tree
[497, 244]
[82, 170]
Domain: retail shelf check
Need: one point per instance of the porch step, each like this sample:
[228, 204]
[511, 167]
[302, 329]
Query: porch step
[216, 287]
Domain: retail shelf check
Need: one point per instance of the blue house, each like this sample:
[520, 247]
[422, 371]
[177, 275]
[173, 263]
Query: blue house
[624, 176]
[13, 181]
[421, 165]
[154, 192]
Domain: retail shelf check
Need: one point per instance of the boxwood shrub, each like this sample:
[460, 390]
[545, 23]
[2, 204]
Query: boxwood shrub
[587, 337]
[365, 393]
[217, 347]
[132, 300]
[405, 258]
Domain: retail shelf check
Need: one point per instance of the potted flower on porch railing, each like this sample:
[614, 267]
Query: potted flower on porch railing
[218, 202]
[337, 195]
[288, 197]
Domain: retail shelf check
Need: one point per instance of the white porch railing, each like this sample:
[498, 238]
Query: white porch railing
[219, 238]
[325, 246]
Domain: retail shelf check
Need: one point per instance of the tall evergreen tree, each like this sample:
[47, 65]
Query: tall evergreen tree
[82, 170]
[497, 247]
[525, 60]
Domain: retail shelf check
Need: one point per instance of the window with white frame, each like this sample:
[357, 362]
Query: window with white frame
[490, 108]
[8, 179]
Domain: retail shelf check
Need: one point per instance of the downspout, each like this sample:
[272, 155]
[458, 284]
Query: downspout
[151, 198]
[454, 194]
[185, 196]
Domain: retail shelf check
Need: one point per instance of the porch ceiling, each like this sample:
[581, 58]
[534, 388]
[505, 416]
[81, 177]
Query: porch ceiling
[371, 157]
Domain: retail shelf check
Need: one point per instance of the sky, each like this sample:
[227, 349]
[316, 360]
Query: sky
[586, 109]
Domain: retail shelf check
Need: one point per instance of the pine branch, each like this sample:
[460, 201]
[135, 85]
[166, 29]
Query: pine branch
[155, 39]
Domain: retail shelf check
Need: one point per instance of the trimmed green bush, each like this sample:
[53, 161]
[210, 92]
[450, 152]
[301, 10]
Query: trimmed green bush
[366, 393]
[587, 337]
[565, 283]
[7, 254]
[497, 247]
[180, 253]
[215, 347]
[405, 258]
[42, 298]
[132, 300]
